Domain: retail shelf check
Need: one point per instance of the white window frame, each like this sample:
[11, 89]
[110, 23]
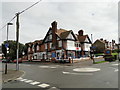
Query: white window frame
[38, 47]
[33, 48]
[50, 36]
[50, 45]
[60, 44]
[46, 46]
[29, 49]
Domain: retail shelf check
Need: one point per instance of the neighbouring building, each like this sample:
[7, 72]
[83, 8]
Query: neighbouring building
[59, 44]
[0, 52]
[100, 45]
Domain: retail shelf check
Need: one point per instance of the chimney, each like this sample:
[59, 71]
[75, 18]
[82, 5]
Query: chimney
[54, 30]
[80, 32]
[101, 39]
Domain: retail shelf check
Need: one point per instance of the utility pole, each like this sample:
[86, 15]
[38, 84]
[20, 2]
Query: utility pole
[17, 39]
[92, 50]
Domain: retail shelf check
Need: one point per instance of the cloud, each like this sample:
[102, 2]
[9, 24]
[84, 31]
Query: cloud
[97, 18]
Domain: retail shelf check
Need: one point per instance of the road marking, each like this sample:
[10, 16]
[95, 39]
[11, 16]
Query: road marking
[29, 81]
[77, 73]
[53, 87]
[20, 78]
[86, 69]
[52, 67]
[115, 64]
[27, 65]
[115, 69]
[43, 85]
[44, 66]
[34, 83]
[23, 80]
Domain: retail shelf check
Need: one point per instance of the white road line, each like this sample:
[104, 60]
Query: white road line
[43, 66]
[86, 69]
[52, 67]
[34, 83]
[115, 64]
[77, 73]
[27, 65]
[23, 80]
[116, 70]
[44, 85]
[20, 78]
[29, 81]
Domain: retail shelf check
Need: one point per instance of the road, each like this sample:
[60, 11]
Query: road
[56, 76]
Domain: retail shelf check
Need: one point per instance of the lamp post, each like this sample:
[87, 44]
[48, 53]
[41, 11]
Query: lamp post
[7, 46]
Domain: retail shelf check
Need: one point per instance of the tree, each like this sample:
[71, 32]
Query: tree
[12, 49]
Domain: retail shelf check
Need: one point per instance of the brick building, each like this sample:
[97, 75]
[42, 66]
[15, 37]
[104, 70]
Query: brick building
[59, 44]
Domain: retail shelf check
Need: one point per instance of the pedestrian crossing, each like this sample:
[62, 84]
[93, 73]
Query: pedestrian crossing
[36, 83]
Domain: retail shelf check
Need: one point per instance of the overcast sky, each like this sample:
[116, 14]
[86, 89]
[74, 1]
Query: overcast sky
[97, 18]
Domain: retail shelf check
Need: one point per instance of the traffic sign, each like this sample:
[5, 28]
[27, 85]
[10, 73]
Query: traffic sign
[6, 45]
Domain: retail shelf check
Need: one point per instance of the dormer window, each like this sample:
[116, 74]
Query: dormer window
[29, 49]
[37, 47]
[33, 48]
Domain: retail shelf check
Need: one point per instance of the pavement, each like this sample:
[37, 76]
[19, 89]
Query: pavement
[13, 74]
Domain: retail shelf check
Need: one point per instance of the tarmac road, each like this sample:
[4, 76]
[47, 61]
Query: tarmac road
[62, 76]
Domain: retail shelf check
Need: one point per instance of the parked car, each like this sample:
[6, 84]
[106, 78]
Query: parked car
[6, 61]
[19, 60]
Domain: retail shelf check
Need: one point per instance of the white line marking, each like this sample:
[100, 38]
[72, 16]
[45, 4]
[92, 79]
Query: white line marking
[86, 69]
[115, 64]
[34, 83]
[53, 87]
[116, 70]
[23, 80]
[29, 81]
[52, 67]
[43, 85]
[44, 66]
[20, 78]
[77, 73]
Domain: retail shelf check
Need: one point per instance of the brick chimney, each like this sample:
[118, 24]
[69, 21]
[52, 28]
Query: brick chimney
[80, 32]
[54, 30]
[101, 39]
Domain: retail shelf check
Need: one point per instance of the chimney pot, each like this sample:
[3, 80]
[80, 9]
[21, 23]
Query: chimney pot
[80, 32]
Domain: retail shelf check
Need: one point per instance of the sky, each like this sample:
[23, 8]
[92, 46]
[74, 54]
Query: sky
[99, 18]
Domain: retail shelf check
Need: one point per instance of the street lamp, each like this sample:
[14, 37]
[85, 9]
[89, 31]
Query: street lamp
[7, 46]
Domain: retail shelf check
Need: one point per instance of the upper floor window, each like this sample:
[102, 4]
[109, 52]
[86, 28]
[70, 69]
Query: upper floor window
[50, 45]
[46, 46]
[60, 43]
[50, 36]
[29, 49]
[37, 47]
[33, 48]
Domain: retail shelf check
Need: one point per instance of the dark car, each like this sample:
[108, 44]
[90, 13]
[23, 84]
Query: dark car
[6, 61]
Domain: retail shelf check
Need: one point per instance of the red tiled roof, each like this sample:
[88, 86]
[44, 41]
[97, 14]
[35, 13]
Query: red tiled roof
[82, 38]
[62, 33]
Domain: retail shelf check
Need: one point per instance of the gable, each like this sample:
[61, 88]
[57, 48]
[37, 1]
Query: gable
[48, 36]
[70, 36]
[86, 40]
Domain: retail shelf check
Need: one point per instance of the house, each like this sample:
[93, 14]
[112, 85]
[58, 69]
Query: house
[84, 42]
[59, 44]
[0, 52]
[100, 45]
